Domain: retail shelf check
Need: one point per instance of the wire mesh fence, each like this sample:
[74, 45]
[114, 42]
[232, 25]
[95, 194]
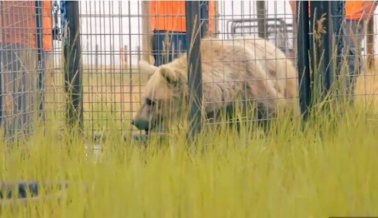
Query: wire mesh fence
[116, 35]
[25, 49]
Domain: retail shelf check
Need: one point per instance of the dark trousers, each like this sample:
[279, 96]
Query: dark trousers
[167, 46]
[17, 88]
[352, 38]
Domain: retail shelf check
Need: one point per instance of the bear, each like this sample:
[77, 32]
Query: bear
[231, 71]
[274, 61]
[276, 64]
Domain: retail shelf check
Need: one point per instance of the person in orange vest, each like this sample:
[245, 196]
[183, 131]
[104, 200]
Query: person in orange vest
[356, 12]
[19, 49]
[168, 24]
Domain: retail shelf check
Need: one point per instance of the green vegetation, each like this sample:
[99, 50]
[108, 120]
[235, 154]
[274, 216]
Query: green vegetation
[328, 168]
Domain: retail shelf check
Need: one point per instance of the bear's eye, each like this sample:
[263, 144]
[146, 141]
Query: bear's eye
[150, 102]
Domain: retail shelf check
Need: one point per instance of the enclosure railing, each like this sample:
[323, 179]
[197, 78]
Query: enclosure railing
[90, 76]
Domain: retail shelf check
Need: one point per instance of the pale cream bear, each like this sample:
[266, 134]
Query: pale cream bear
[248, 70]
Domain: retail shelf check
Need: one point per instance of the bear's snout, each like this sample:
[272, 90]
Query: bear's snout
[140, 124]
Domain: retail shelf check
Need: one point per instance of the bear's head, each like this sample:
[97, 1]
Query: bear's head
[162, 97]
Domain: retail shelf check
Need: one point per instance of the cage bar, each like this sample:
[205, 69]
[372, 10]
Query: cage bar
[40, 59]
[72, 65]
[261, 16]
[303, 61]
[195, 30]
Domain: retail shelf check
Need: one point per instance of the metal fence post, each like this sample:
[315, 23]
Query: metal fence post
[320, 46]
[303, 61]
[40, 58]
[336, 35]
[195, 29]
[2, 100]
[72, 64]
[330, 42]
[261, 16]
[370, 43]
[328, 48]
[321, 49]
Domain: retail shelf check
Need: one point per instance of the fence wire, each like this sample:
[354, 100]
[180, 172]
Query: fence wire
[115, 36]
[25, 51]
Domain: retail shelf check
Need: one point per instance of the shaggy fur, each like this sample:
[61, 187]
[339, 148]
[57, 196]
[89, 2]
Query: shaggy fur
[243, 69]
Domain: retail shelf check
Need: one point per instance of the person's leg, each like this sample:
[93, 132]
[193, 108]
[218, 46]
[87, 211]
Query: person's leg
[158, 47]
[2, 55]
[27, 88]
[8, 68]
[18, 77]
[167, 46]
[352, 38]
[178, 44]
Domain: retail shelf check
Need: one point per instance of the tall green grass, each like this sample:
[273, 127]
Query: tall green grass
[326, 168]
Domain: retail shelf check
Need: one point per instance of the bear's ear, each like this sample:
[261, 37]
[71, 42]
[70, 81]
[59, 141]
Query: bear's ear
[169, 75]
[147, 68]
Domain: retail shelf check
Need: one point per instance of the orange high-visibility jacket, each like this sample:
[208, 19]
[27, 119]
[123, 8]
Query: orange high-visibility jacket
[18, 23]
[170, 15]
[352, 9]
